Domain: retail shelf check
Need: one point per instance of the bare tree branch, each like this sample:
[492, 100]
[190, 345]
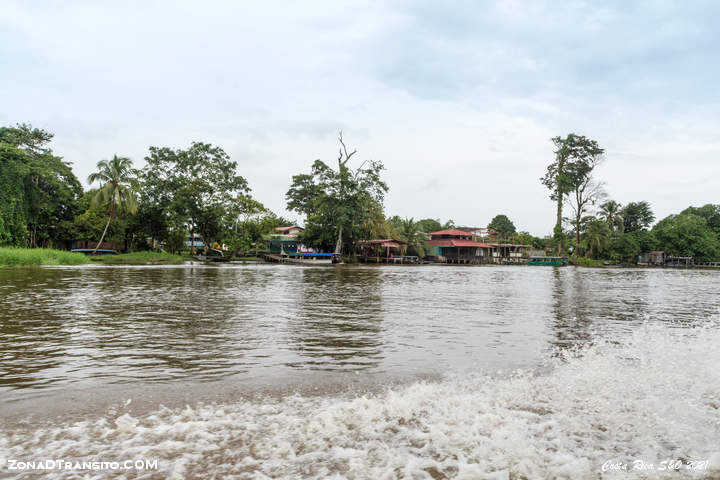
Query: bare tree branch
[344, 150]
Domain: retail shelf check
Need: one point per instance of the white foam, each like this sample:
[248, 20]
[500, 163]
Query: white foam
[652, 396]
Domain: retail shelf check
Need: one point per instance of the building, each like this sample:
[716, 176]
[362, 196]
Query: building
[388, 250]
[656, 257]
[285, 240]
[458, 246]
[291, 231]
[195, 240]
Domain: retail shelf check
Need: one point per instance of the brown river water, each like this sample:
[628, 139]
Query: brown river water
[277, 371]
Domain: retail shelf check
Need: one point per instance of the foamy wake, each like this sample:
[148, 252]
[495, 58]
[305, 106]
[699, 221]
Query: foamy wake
[654, 396]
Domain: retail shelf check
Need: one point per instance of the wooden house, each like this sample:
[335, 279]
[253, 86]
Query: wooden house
[457, 246]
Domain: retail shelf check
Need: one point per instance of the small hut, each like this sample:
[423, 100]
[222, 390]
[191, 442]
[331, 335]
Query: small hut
[380, 250]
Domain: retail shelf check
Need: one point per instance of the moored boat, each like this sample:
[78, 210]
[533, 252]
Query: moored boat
[305, 258]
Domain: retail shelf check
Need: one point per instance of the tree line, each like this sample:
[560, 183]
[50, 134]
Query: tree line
[181, 193]
[601, 228]
[178, 191]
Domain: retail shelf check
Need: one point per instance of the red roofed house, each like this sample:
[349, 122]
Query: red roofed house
[457, 246]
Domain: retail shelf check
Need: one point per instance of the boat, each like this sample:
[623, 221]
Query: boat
[216, 256]
[305, 258]
[92, 251]
[548, 261]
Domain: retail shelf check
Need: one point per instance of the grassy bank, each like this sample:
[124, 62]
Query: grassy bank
[589, 262]
[23, 257]
[141, 258]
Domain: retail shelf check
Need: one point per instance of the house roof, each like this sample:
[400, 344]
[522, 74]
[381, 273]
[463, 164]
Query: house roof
[384, 242]
[452, 231]
[453, 242]
[285, 229]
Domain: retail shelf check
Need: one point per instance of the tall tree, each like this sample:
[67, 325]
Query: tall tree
[118, 189]
[569, 150]
[197, 186]
[637, 216]
[39, 194]
[340, 200]
[585, 190]
[502, 224]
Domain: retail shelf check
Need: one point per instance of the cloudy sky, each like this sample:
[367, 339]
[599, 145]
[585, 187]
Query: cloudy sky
[458, 99]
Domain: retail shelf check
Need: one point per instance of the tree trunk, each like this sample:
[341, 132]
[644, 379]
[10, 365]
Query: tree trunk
[338, 244]
[192, 240]
[577, 234]
[103, 234]
[558, 224]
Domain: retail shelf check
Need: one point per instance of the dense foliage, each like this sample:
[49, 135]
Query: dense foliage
[198, 191]
[502, 224]
[39, 193]
[343, 205]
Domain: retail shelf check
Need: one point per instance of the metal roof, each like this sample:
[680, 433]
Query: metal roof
[382, 241]
[452, 231]
[454, 242]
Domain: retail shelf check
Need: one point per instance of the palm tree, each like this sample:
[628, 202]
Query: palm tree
[610, 211]
[410, 232]
[117, 191]
[597, 237]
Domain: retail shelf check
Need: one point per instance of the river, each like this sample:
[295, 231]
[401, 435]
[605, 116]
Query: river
[276, 371]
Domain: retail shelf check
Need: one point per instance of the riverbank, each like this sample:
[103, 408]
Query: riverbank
[141, 258]
[27, 257]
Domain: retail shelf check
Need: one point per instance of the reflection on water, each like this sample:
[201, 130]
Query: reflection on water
[337, 319]
[95, 326]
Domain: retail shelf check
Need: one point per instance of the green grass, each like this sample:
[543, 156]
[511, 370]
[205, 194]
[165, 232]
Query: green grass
[23, 257]
[140, 258]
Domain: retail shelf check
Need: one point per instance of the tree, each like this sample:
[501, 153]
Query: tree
[625, 247]
[596, 237]
[711, 214]
[574, 149]
[251, 221]
[610, 212]
[585, 191]
[687, 235]
[342, 202]
[39, 194]
[118, 190]
[408, 230]
[637, 216]
[429, 225]
[302, 194]
[196, 187]
[502, 225]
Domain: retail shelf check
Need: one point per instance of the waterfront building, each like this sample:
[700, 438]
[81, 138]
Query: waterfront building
[458, 246]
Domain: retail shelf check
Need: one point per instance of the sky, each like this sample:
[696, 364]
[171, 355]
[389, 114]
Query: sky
[458, 99]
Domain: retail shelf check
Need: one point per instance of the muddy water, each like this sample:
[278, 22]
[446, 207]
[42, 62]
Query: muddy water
[364, 372]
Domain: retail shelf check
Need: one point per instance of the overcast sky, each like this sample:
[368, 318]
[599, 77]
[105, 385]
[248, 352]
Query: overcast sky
[458, 99]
